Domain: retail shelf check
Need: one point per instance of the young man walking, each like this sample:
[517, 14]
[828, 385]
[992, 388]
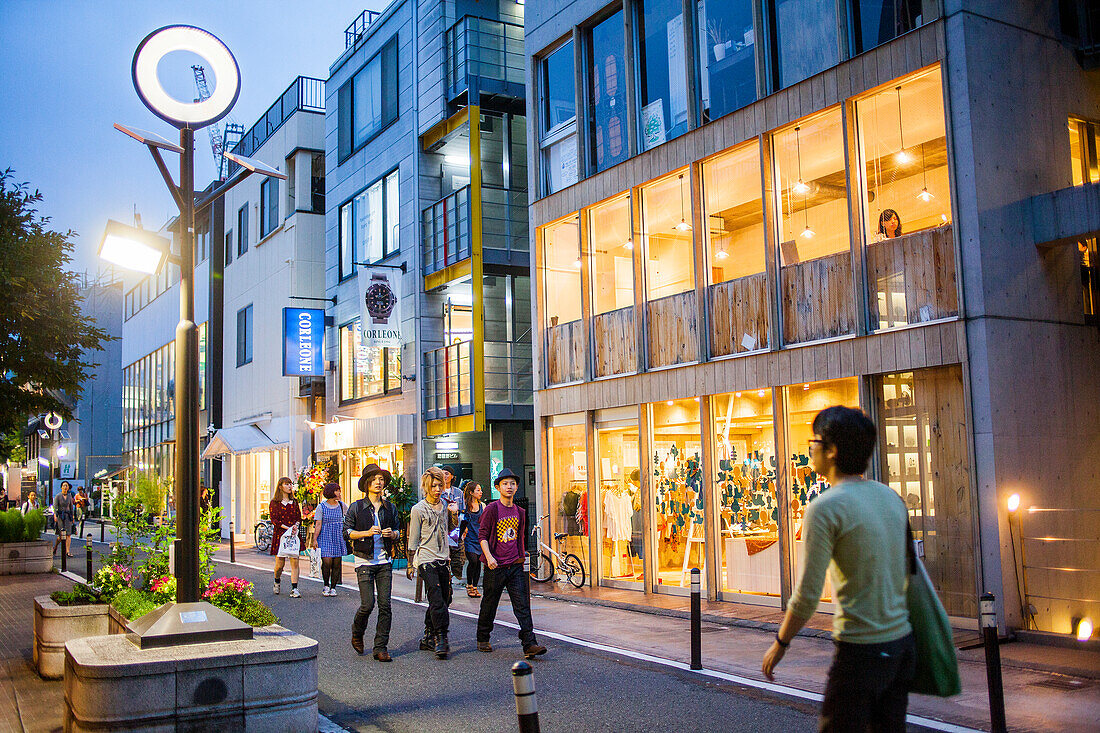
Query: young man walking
[431, 521]
[857, 530]
[371, 526]
[503, 552]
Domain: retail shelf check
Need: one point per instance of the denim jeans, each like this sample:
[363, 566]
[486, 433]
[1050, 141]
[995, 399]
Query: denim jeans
[515, 579]
[437, 584]
[868, 687]
[372, 577]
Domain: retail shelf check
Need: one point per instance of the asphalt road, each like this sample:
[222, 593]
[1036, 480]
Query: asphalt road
[578, 688]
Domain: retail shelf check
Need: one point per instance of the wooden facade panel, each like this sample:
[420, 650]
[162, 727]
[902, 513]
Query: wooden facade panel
[739, 315]
[816, 298]
[614, 347]
[673, 330]
[565, 352]
[911, 279]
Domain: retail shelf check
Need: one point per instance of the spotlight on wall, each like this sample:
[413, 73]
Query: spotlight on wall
[1082, 628]
[1013, 503]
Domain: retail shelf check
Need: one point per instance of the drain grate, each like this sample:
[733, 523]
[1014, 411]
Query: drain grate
[1062, 683]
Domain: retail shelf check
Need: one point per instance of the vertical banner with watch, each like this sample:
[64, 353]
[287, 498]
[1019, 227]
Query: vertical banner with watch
[379, 308]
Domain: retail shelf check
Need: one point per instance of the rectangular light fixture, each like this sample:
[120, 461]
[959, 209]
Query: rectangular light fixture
[446, 445]
[133, 248]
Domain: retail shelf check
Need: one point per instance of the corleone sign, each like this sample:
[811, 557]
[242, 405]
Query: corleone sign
[303, 342]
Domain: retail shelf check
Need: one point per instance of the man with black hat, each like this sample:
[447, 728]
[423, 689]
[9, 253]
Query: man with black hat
[371, 527]
[503, 552]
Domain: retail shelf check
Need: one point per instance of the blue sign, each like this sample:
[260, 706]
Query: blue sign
[303, 342]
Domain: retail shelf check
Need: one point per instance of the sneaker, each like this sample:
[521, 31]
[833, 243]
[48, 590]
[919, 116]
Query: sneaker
[533, 650]
[484, 646]
[275, 588]
[294, 593]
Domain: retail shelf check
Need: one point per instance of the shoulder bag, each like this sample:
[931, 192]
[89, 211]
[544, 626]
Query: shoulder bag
[937, 668]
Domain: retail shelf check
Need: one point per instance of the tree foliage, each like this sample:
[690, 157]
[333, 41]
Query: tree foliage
[46, 342]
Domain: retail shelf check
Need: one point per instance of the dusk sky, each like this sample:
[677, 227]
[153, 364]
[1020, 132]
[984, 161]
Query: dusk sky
[65, 67]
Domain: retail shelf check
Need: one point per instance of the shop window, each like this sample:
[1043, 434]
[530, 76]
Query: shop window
[1084, 144]
[558, 130]
[745, 492]
[727, 56]
[366, 371]
[661, 71]
[814, 238]
[737, 282]
[923, 457]
[369, 224]
[878, 21]
[677, 478]
[803, 403]
[568, 483]
[805, 38]
[605, 74]
[622, 540]
[907, 203]
[561, 289]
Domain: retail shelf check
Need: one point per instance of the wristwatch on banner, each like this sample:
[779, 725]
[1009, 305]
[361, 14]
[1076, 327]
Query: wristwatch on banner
[380, 299]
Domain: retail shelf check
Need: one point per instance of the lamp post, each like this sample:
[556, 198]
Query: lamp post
[137, 249]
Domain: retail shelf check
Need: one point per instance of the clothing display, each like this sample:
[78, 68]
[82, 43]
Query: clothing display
[618, 510]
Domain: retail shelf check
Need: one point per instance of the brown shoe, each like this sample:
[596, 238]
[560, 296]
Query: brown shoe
[533, 650]
[357, 644]
[382, 655]
[484, 646]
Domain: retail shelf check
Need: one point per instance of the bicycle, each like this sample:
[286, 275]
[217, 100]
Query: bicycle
[543, 564]
[262, 534]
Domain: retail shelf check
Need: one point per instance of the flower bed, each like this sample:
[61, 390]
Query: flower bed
[21, 551]
[232, 595]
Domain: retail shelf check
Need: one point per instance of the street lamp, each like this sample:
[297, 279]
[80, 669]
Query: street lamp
[190, 620]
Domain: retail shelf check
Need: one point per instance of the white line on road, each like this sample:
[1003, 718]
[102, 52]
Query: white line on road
[931, 723]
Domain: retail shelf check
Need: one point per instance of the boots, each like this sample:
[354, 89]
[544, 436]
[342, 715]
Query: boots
[442, 648]
[427, 644]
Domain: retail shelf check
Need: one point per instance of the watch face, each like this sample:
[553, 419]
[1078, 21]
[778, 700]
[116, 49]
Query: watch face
[380, 300]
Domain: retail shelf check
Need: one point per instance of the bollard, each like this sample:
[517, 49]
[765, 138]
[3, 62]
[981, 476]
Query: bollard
[88, 558]
[993, 665]
[102, 526]
[64, 553]
[527, 708]
[696, 621]
[232, 544]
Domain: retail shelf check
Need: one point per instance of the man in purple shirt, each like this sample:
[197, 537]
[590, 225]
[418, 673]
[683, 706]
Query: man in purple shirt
[503, 552]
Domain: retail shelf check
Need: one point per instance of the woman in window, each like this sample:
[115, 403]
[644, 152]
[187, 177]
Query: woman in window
[889, 225]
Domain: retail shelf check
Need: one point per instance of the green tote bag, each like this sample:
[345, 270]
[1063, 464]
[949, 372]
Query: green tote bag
[937, 671]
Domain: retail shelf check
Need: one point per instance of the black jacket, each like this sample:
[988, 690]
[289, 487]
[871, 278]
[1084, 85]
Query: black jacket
[360, 518]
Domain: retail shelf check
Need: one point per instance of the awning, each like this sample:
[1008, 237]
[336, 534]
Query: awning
[242, 439]
[365, 433]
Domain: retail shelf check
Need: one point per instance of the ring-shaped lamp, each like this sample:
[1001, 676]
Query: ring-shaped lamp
[164, 41]
[52, 420]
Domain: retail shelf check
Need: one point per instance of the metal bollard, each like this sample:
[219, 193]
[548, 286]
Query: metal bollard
[696, 621]
[232, 544]
[993, 664]
[64, 553]
[88, 559]
[102, 527]
[527, 707]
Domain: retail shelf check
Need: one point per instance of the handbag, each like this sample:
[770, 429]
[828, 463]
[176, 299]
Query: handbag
[289, 544]
[937, 668]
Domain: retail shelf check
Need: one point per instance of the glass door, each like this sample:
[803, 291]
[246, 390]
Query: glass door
[621, 540]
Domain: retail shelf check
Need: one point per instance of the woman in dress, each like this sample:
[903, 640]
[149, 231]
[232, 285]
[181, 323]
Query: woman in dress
[470, 526]
[285, 515]
[329, 538]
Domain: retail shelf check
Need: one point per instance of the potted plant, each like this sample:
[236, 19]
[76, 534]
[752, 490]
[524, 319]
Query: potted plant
[61, 617]
[21, 549]
[718, 39]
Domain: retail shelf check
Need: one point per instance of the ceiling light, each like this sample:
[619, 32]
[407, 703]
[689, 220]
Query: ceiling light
[761, 393]
[807, 233]
[800, 187]
[925, 196]
[736, 394]
[628, 244]
[577, 262]
[683, 226]
[903, 157]
[721, 254]
[669, 403]
[457, 159]
[805, 387]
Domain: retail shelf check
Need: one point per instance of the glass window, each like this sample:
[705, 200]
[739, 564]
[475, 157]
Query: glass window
[242, 230]
[366, 371]
[608, 141]
[736, 277]
[561, 271]
[662, 71]
[806, 38]
[229, 246]
[666, 231]
[244, 335]
[910, 247]
[374, 94]
[814, 239]
[727, 56]
[1084, 143]
[620, 507]
[391, 242]
[317, 182]
[369, 224]
[745, 492]
[676, 449]
[269, 206]
[612, 255]
[1089, 265]
[878, 21]
[568, 485]
[803, 404]
[559, 84]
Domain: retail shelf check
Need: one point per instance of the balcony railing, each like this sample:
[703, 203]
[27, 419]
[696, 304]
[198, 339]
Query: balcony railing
[504, 219]
[484, 57]
[446, 231]
[508, 374]
[358, 27]
[448, 382]
[305, 93]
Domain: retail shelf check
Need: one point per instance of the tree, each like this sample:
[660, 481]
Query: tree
[46, 343]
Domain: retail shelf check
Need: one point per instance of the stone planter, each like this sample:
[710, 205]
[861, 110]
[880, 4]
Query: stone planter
[267, 683]
[17, 558]
[116, 623]
[54, 625]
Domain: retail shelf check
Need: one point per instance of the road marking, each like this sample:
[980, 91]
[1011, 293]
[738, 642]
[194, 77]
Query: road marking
[795, 692]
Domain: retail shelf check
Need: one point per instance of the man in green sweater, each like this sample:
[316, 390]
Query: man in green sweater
[857, 530]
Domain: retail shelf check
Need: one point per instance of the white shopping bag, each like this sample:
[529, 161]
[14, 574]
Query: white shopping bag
[314, 562]
[289, 545]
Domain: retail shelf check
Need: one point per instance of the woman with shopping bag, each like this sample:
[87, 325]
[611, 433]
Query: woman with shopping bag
[286, 518]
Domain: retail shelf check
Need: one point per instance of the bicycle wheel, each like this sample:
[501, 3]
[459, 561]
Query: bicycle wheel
[574, 570]
[543, 569]
[263, 537]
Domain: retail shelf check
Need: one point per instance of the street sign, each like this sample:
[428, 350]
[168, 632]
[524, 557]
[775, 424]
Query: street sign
[448, 456]
[303, 342]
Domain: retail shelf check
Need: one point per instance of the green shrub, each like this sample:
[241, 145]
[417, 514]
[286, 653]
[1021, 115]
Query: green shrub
[132, 604]
[80, 595]
[255, 613]
[34, 522]
[11, 526]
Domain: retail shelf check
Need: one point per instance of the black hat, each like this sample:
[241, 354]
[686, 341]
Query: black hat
[449, 469]
[369, 472]
[505, 473]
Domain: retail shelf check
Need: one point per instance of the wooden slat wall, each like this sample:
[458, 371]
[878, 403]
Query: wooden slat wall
[565, 352]
[615, 348]
[817, 298]
[926, 261]
[673, 330]
[739, 308]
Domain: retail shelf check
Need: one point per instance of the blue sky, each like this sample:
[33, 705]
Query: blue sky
[65, 71]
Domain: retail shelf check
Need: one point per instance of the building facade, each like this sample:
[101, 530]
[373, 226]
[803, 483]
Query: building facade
[423, 89]
[744, 212]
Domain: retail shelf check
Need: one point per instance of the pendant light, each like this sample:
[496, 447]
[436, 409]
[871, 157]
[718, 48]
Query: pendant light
[683, 226]
[628, 245]
[721, 254]
[902, 157]
[799, 186]
[924, 194]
